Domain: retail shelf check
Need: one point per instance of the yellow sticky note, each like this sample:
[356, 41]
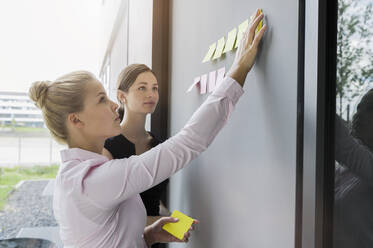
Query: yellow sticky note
[230, 40]
[260, 25]
[241, 29]
[179, 228]
[210, 52]
[219, 48]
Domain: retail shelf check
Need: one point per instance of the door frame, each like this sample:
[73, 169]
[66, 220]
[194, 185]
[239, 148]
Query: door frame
[319, 114]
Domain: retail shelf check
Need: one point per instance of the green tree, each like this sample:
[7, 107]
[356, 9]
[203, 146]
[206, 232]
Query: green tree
[354, 52]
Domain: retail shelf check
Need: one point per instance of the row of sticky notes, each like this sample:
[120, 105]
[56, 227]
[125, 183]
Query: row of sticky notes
[208, 83]
[217, 49]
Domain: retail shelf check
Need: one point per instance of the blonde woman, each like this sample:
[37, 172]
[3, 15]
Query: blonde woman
[96, 200]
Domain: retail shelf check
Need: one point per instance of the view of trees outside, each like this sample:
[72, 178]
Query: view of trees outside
[354, 54]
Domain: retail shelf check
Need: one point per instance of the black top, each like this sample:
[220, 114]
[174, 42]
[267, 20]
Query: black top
[120, 147]
[353, 206]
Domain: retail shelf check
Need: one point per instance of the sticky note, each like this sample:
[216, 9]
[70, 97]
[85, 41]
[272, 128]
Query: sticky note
[195, 82]
[220, 76]
[241, 29]
[230, 40]
[203, 84]
[219, 48]
[212, 81]
[260, 25]
[179, 228]
[209, 53]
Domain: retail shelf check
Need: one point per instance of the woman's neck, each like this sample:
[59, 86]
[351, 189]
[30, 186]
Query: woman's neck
[85, 144]
[133, 126]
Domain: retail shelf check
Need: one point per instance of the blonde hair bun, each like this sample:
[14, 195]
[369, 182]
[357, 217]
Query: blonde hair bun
[59, 98]
[38, 92]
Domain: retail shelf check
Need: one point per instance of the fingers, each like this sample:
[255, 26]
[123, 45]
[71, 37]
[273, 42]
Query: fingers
[187, 234]
[173, 239]
[259, 36]
[165, 220]
[186, 237]
[251, 30]
[252, 18]
[194, 223]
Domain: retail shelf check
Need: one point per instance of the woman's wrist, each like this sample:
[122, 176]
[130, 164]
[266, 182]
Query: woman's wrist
[148, 236]
[238, 73]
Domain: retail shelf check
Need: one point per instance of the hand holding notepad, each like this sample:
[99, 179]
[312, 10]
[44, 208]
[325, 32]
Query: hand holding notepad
[175, 228]
[181, 227]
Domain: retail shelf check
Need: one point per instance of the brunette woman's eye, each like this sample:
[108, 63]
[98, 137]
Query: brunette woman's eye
[142, 88]
[155, 88]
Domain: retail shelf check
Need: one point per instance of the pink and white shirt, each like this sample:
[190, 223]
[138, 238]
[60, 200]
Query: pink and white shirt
[96, 200]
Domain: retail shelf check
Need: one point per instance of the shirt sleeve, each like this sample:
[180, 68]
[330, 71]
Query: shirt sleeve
[351, 153]
[119, 179]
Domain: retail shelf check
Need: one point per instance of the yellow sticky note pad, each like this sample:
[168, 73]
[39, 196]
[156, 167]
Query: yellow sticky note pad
[179, 228]
[230, 40]
[210, 52]
[219, 48]
[241, 29]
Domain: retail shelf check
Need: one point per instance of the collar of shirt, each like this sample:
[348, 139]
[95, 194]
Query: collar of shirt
[81, 155]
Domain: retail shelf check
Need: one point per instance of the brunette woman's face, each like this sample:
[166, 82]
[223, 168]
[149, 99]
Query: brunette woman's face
[99, 116]
[142, 96]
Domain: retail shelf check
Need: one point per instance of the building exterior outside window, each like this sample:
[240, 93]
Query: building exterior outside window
[17, 109]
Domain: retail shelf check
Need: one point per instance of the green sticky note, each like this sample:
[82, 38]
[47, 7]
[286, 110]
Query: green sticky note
[179, 228]
[210, 52]
[230, 40]
[219, 48]
[241, 29]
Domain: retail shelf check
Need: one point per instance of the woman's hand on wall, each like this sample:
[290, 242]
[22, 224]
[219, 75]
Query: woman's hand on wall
[155, 234]
[247, 50]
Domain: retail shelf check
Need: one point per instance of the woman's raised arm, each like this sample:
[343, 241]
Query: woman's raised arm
[118, 179]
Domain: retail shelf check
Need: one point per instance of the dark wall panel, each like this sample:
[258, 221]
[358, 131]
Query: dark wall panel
[242, 188]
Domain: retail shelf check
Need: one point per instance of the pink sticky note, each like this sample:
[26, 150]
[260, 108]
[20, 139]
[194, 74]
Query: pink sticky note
[220, 77]
[204, 84]
[212, 81]
[195, 82]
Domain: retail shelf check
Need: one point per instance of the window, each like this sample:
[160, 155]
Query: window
[353, 189]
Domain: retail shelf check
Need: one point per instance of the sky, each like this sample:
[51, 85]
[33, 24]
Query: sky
[44, 39]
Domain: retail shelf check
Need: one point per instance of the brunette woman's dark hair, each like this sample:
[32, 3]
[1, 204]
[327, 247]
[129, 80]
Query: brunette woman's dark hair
[126, 78]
